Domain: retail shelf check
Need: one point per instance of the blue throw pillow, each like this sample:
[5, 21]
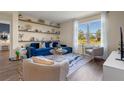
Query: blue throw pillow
[35, 45]
[55, 44]
[47, 44]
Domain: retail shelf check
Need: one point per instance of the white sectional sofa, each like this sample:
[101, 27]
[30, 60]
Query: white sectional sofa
[41, 72]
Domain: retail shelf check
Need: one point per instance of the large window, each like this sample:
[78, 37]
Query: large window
[90, 33]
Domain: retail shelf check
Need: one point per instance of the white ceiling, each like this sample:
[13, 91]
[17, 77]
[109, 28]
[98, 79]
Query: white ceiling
[58, 16]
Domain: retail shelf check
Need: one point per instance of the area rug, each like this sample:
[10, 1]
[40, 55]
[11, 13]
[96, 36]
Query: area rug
[75, 60]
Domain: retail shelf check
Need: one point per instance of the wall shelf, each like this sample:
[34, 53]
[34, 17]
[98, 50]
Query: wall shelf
[51, 31]
[38, 23]
[34, 41]
[30, 41]
[38, 32]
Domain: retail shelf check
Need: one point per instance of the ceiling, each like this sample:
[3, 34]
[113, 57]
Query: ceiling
[58, 16]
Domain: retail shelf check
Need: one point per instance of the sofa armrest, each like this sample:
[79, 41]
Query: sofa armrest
[62, 45]
[30, 51]
[64, 69]
[69, 49]
[98, 51]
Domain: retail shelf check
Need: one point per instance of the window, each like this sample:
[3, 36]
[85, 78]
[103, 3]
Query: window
[90, 33]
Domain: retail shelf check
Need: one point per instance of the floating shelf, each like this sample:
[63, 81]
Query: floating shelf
[38, 23]
[38, 32]
[30, 41]
[35, 41]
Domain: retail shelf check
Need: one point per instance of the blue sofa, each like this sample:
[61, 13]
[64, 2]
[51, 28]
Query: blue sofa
[33, 49]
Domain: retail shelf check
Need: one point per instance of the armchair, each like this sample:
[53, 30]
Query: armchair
[95, 52]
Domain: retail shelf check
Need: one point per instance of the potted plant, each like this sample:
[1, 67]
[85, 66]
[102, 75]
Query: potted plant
[17, 54]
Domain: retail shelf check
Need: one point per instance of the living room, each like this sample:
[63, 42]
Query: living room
[66, 37]
[51, 46]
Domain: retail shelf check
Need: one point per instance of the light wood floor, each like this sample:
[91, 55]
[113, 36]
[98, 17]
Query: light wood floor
[4, 55]
[92, 71]
[8, 70]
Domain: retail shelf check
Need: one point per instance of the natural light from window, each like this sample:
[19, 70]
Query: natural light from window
[90, 33]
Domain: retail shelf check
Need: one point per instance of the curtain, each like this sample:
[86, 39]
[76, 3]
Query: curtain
[104, 33]
[75, 36]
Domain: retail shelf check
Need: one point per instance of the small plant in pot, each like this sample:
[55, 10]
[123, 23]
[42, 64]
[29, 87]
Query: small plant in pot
[17, 52]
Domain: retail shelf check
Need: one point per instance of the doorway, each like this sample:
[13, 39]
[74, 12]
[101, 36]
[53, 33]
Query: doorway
[4, 42]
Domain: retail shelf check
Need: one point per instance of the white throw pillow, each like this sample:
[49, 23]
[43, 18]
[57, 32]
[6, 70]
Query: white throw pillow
[51, 44]
[43, 45]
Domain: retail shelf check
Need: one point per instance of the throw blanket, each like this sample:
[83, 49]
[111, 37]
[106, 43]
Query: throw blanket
[75, 60]
[72, 58]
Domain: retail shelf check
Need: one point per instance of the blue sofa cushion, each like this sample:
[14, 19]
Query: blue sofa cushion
[35, 45]
[69, 49]
[63, 45]
[31, 51]
[39, 52]
[42, 51]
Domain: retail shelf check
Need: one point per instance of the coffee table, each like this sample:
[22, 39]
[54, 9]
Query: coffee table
[58, 51]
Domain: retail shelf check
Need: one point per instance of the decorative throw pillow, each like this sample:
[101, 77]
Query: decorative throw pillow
[55, 44]
[51, 44]
[43, 45]
[35, 45]
[42, 61]
[47, 44]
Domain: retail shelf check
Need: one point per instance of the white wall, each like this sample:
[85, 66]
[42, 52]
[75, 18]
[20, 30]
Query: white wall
[66, 34]
[14, 33]
[115, 20]
[5, 18]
